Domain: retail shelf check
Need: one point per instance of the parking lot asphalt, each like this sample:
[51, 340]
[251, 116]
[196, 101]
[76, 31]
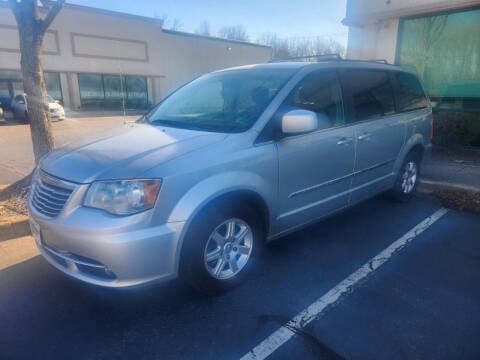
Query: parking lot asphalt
[423, 302]
[16, 154]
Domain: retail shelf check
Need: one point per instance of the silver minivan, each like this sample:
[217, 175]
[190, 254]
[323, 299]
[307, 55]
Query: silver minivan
[228, 162]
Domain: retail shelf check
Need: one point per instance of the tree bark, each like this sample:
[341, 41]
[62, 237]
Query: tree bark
[31, 32]
[34, 87]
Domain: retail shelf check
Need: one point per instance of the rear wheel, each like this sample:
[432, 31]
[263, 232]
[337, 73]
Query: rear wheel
[407, 180]
[221, 245]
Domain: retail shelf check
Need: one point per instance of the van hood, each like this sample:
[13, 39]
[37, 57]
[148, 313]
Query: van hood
[125, 153]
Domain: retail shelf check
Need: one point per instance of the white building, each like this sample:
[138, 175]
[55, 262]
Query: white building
[96, 58]
[439, 38]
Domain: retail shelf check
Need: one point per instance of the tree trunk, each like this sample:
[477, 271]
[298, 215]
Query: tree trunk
[31, 38]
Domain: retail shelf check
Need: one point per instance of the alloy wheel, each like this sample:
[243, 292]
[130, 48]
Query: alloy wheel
[228, 249]
[409, 177]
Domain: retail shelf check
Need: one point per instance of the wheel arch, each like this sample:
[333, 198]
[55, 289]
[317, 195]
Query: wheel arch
[254, 191]
[415, 144]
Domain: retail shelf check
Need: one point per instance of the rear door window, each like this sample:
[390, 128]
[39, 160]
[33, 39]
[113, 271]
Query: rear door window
[410, 95]
[371, 93]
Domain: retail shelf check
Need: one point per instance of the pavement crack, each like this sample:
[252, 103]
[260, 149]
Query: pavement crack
[319, 347]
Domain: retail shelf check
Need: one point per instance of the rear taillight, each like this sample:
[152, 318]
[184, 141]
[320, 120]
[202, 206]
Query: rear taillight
[431, 130]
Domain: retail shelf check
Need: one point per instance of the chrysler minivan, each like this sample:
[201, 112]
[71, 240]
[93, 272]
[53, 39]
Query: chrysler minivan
[226, 163]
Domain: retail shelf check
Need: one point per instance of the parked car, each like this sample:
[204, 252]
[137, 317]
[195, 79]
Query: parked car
[5, 100]
[20, 111]
[1, 111]
[230, 161]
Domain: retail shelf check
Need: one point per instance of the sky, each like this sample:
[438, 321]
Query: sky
[286, 18]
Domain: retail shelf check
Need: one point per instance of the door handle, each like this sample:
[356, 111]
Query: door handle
[344, 141]
[364, 136]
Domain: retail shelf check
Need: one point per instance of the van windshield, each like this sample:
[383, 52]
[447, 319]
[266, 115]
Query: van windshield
[227, 101]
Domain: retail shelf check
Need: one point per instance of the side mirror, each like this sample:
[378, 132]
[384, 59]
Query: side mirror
[299, 121]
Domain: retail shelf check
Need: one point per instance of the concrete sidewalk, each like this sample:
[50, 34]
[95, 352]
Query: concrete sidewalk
[450, 168]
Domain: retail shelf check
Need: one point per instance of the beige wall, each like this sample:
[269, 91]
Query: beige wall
[89, 40]
[192, 56]
[373, 24]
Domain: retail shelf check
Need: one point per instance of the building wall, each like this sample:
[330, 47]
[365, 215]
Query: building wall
[373, 24]
[86, 40]
[192, 56]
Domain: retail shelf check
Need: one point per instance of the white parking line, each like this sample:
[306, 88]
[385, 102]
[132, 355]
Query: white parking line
[286, 332]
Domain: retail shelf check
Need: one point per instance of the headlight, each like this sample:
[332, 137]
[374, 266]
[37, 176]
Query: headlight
[123, 197]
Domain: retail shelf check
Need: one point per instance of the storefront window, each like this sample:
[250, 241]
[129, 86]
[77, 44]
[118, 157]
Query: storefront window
[113, 91]
[445, 51]
[114, 86]
[136, 91]
[52, 82]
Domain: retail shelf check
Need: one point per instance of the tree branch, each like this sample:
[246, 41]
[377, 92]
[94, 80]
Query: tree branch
[15, 6]
[52, 13]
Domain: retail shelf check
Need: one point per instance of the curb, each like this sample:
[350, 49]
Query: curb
[429, 186]
[14, 227]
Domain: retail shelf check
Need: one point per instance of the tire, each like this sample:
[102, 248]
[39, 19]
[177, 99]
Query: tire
[25, 118]
[407, 179]
[213, 262]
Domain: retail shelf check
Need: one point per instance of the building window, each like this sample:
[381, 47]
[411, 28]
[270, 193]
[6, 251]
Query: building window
[52, 82]
[111, 91]
[11, 84]
[445, 51]
[136, 88]
[91, 90]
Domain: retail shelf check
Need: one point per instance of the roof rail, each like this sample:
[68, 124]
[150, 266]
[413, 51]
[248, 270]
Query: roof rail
[325, 57]
[322, 57]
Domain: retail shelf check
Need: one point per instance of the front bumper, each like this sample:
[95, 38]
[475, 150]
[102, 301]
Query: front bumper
[57, 116]
[105, 250]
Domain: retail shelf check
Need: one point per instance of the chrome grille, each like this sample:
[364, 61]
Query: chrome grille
[50, 194]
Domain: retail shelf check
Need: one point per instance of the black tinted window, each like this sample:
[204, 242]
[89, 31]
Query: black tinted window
[410, 95]
[371, 93]
[319, 92]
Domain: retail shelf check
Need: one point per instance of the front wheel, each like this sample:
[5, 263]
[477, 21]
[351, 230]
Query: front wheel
[220, 248]
[407, 180]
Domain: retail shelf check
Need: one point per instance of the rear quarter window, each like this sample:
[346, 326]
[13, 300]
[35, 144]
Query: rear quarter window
[410, 95]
